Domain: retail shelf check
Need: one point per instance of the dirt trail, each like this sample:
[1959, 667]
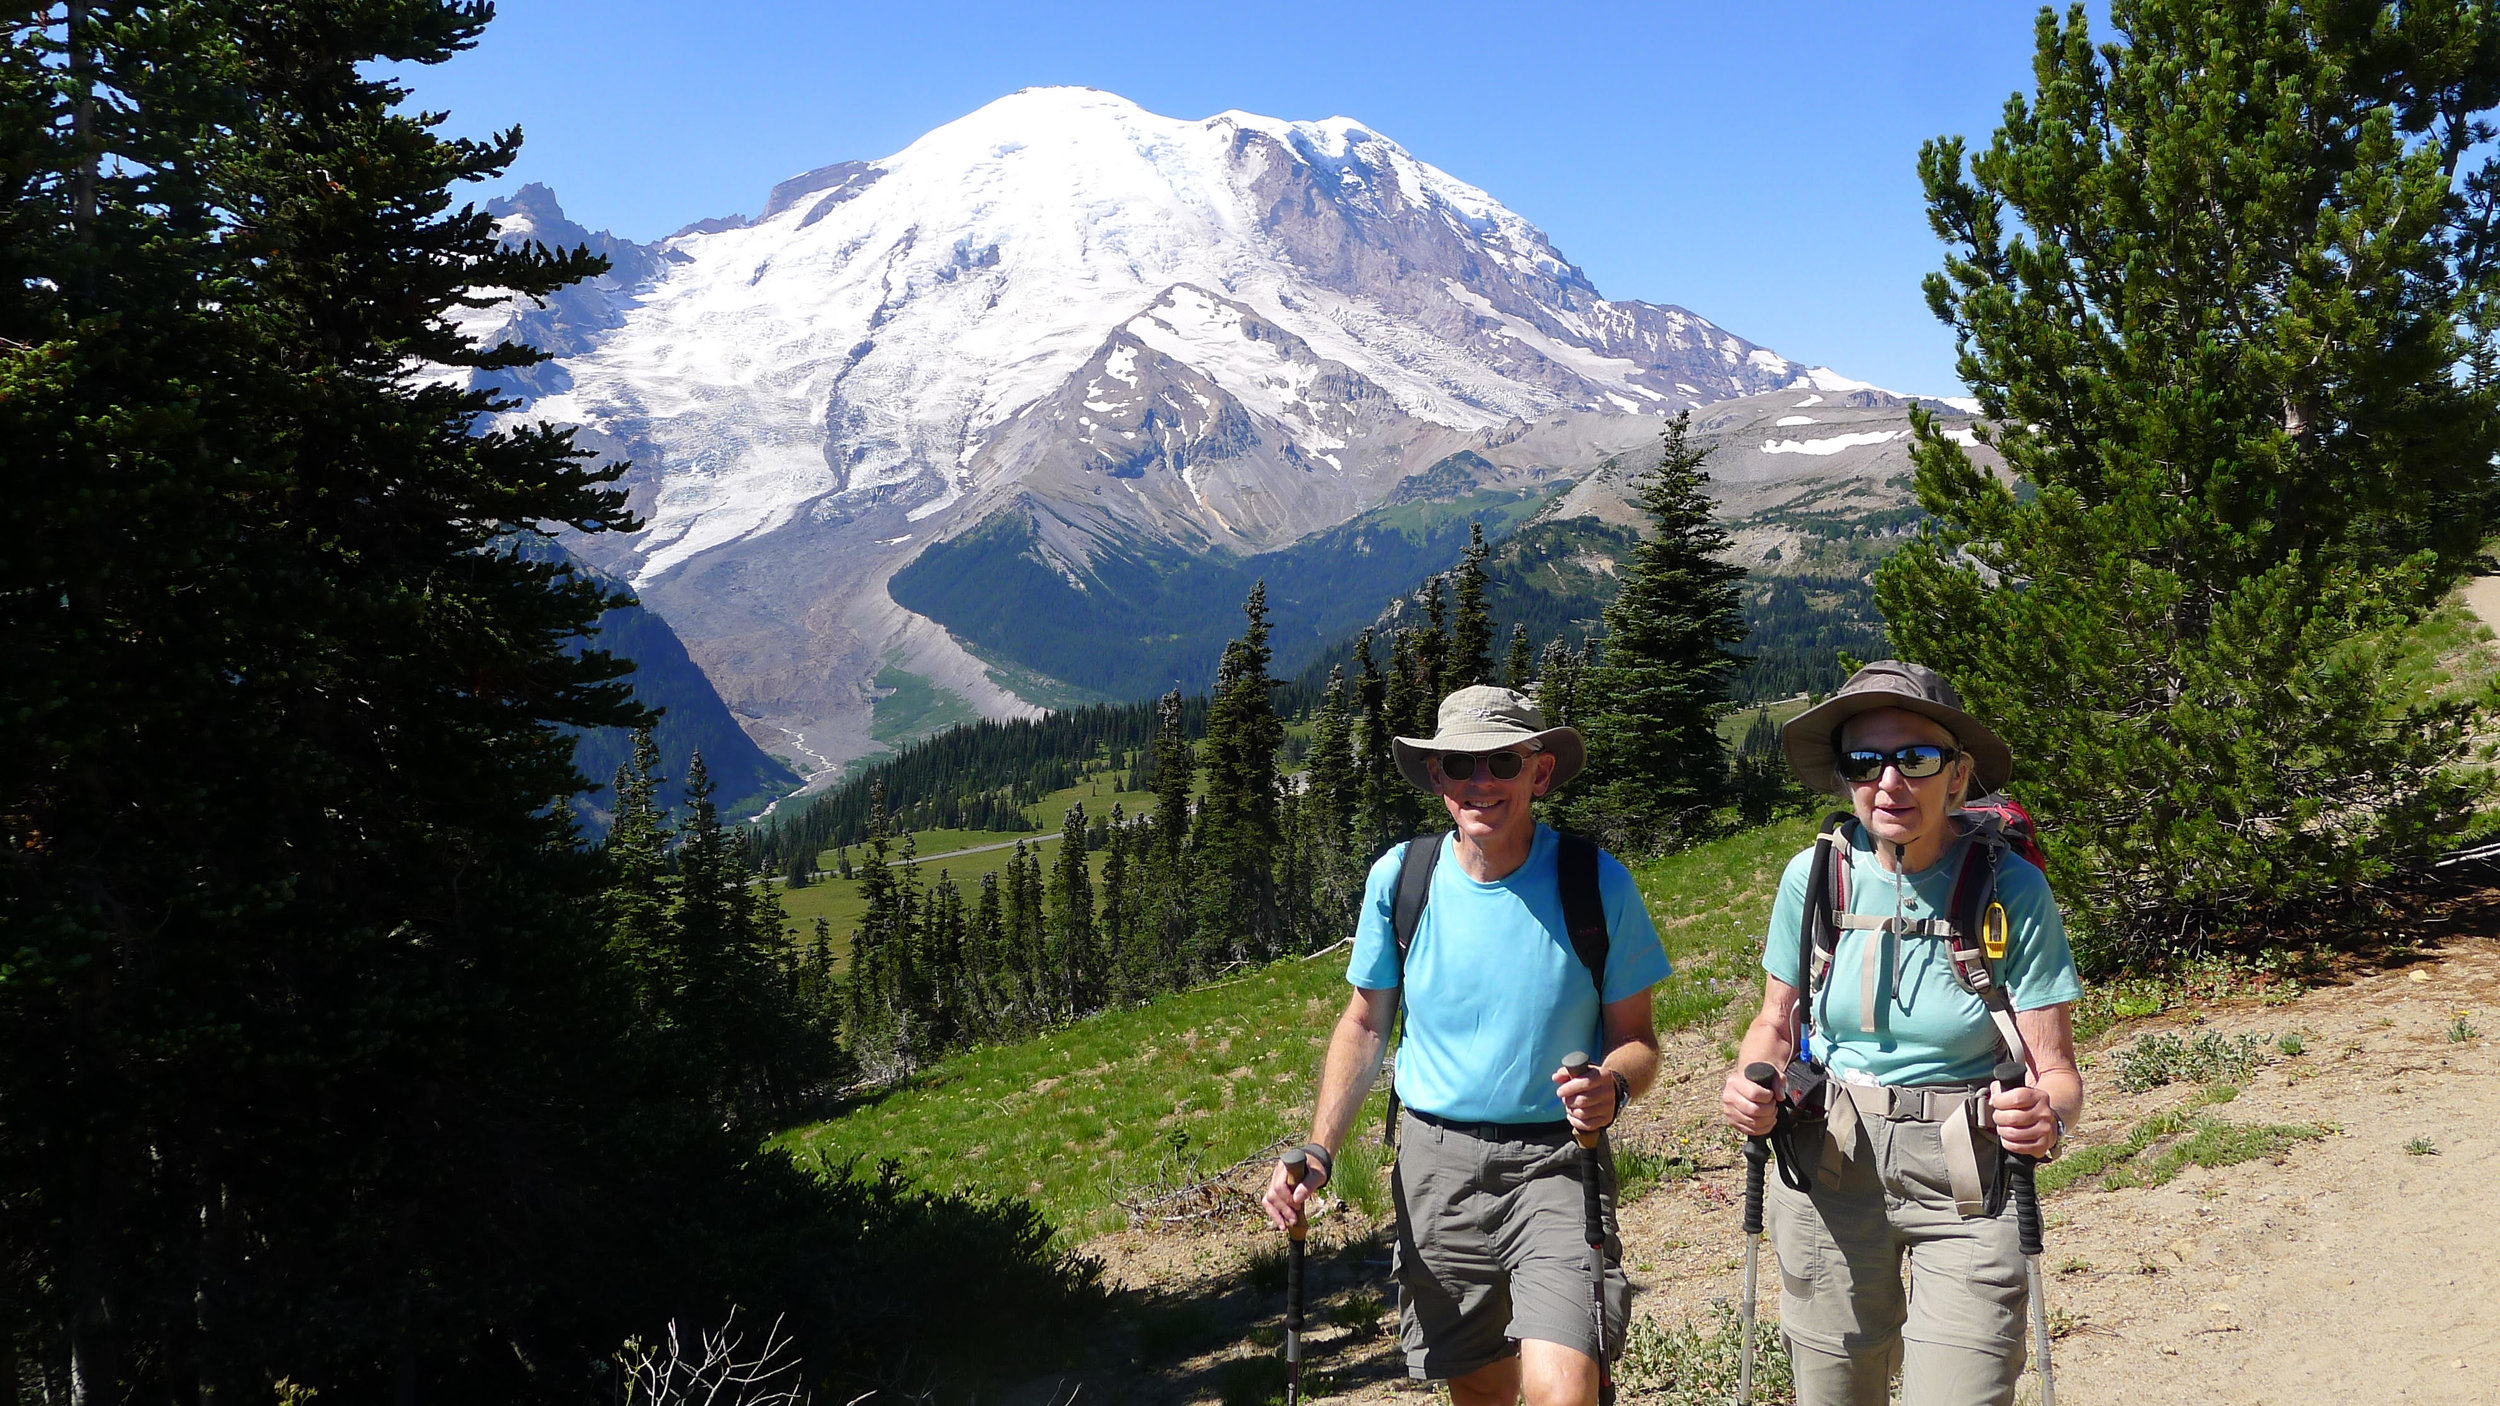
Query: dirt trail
[2348, 1267]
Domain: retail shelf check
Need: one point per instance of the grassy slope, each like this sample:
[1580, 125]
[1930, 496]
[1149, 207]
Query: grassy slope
[837, 900]
[1136, 1099]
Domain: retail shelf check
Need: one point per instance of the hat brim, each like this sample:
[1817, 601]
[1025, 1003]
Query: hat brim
[1569, 750]
[1809, 739]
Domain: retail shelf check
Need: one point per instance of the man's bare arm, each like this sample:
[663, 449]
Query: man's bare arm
[1354, 1050]
[1631, 1037]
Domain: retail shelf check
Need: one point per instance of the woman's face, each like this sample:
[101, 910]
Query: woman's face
[1895, 808]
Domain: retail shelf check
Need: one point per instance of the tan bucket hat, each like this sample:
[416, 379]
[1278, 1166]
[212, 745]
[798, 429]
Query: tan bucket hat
[1810, 738]
[1488, 719]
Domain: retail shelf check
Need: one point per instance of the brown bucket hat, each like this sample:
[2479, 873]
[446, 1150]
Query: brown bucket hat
[1810, 737]
[1488, 719]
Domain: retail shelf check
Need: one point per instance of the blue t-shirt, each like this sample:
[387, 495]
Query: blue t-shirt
[1928, 1030]
[1495, 997]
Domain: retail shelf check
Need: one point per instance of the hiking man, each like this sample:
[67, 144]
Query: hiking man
[1493, 1258]
[1928, 981]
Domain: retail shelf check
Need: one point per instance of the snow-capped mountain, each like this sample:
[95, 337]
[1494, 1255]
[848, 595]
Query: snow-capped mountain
[1214, 335]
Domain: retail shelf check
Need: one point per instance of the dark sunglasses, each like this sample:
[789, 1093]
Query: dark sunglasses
[1919, 759]
[1461, 766]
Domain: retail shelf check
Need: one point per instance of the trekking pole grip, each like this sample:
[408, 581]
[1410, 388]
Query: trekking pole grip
[2022, 1172]
[1578, 1063]
[1757, 1153]
[1297, 1165]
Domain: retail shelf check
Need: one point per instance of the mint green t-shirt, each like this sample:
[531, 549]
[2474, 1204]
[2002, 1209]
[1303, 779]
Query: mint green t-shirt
[1928, 1030]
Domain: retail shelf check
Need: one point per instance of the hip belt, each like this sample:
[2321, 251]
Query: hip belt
[1959, 1111]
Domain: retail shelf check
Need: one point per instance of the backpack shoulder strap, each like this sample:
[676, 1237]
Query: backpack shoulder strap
[1584, 908]
[1827, 897]
[1406, 913]
[1406, 907]
[1980, 934]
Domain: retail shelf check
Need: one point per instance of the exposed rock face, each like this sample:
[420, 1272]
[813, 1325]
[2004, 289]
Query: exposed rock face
[1218, 335]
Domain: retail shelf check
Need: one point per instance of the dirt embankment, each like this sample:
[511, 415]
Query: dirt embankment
[2354, 1265]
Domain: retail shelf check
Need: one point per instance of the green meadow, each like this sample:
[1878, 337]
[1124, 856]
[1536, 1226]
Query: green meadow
[1120, 1107]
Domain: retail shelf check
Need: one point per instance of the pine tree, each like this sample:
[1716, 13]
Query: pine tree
[1167, 916]
[987, 941]
[637, 892]
[1471, 632]
[1519, 669]
[1381, 784]
[2225, 292]
[1334, 782]
[1412, 712]
[1433, 665]
[943, 950]
[1236, 837]
[1118, 924]
[1076, 946]
[302, 952]
[1651, 709]
[1558, 675]
[872, 989]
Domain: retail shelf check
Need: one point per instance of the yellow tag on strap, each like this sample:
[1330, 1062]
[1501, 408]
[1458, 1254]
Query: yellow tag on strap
[1992, 932]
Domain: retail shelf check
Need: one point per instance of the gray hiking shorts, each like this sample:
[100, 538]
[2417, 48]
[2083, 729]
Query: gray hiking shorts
[1884, 1200]
[1492, 1245]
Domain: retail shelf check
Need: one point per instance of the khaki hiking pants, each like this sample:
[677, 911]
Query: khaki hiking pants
[1884, 1198]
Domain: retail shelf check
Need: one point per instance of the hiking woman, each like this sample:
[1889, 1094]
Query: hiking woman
[1903, 1165]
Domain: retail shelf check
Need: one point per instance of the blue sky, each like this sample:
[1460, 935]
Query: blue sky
[1753, 160]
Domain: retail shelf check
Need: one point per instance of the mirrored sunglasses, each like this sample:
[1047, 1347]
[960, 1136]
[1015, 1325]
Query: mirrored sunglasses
[1916, 761]
[1461, 766]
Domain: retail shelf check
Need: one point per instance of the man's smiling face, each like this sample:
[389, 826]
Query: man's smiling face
[1485, 807]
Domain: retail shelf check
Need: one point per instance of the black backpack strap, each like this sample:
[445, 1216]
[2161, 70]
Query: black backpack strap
[1406, 913]
[1818, 931]
[1406, 906]
[1584, 910]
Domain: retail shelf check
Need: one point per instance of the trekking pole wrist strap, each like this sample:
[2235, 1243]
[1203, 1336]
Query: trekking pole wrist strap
[1320, 1155]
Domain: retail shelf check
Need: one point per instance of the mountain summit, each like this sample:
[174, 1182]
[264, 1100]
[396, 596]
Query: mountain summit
[1142, 335]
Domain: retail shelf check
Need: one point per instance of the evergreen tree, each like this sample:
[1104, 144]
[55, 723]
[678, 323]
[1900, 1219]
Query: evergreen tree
[1237, 833]
[1471, 632]
[1433, 666]
[1118, 925]
[1074, 941]
[1558, 676]
[1651, 709]
[873, 987]
[2227, 294]
[1334, 783]
[323, 1074]
[944, 939]
[1381, 784]
[1519, 669]
[1413, 712]
[637, 895]
[1167, 915]
[988, 943]
[1020, 929]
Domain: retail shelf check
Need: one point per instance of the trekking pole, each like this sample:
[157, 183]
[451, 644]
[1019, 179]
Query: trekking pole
[1594, 1217]
[1294, 1162]
[2026, 1193]
[1757, 1153]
